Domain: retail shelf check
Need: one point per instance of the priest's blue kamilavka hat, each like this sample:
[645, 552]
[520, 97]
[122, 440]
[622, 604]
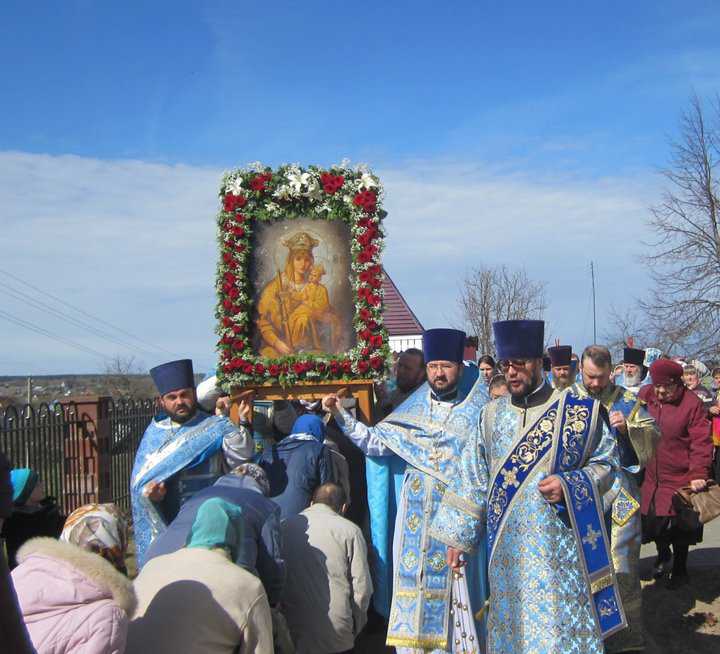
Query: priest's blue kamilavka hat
[173, 376]
[444, 345]
[560, 355]
[519, 339]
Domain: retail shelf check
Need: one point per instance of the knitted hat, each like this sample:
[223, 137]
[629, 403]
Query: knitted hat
[23, 481]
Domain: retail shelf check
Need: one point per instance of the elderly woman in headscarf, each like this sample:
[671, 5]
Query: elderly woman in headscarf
[297, 465]
[683, 458]
[196, 600]
[73, 593]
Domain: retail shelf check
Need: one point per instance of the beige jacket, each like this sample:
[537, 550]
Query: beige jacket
[328, 586]
[196, 601]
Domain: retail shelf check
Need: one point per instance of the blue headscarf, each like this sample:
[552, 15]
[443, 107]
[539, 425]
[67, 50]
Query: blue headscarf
[310, 424]
[218, 523]
[23, 482]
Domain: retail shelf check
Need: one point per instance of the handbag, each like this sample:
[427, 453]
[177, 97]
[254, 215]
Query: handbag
[696, 509]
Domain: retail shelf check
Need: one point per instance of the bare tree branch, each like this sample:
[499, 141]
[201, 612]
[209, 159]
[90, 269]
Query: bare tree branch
[684, 304]
[495, 293]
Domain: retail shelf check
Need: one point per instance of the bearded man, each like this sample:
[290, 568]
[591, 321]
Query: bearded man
[635, 373]
[532, 477]
[181, 453]
[636, 435]
[561, 367]
[432, 608]
[410, 375]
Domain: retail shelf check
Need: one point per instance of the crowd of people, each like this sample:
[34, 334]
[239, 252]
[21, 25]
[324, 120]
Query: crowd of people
[498, 506]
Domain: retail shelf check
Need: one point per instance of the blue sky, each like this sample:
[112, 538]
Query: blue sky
[528, 134]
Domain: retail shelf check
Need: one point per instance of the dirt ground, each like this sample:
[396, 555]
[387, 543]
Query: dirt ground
[688, 619]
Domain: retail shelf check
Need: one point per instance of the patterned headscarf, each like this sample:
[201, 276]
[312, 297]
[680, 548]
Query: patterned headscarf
[256, 473]
[99, 528]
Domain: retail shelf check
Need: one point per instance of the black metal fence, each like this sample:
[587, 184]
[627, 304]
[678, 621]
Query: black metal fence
[82, 450]
[127, 420]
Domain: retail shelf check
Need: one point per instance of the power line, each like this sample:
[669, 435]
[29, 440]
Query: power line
[86, 314]
[42, 306]
[44, 332]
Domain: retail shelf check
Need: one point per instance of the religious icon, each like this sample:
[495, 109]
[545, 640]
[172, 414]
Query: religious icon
[301, 277]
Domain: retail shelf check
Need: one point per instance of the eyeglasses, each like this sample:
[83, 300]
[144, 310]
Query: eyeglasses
[518, 364]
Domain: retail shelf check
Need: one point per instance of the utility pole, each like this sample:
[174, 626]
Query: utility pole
[29, 390]
[592, 277]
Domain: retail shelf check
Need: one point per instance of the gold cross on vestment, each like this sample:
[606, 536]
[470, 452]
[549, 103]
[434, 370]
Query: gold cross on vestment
[591, 537]
[435, 457]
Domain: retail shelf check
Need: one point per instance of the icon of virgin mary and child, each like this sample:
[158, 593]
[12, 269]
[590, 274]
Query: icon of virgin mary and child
[294, 310]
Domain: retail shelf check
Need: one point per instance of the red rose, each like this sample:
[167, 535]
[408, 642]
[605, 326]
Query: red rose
[299, 368]
[331, 183]
[274, 370]
[364, 314]
[237, 329]
[239, 218]
[226, 340]
[366, 255]
[371, 324]
[248, 368]
[334, 367]
[363, 366]
[376, 362]
[320, 367]
[238, 231]
[258, 182]
[227, 322]
[227, 367]
[227, 304]
[227, 257]
[233, 293]
[374, 300]
[347, 366]
[376, 340]
[365, 352]
[239, 344]
[366, 200]
[365, 334]
[233, 202]
[259, 369]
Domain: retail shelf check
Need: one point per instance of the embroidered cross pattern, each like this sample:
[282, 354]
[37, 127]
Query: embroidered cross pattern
[510, 477]
[591, 537]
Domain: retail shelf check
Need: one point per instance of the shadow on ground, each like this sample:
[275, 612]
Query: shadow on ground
[687, 619]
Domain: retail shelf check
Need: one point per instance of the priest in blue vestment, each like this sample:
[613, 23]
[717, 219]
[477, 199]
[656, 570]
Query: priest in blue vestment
[413, 455]
[637, 435]
[531, 483]
[181, 452]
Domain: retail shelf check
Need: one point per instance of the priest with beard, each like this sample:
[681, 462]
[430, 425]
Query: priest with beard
[420, 444]
[561, 368]
[530, 486]
[635, 373]
[182, 451]
[637, 435]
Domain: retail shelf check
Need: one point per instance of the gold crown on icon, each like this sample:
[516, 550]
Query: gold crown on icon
[300, 241]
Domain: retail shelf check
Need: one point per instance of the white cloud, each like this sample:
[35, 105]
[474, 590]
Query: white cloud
[134, 243]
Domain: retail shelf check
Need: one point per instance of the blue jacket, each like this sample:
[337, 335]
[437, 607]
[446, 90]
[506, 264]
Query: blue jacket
[261, 551]
[296, 466]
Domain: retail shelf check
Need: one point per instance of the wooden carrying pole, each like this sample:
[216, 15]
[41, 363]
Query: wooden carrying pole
[362, 391]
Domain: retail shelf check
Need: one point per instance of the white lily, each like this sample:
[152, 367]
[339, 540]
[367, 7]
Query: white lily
[297, 180]
[282, 192]
[367, 181]
[235, 186]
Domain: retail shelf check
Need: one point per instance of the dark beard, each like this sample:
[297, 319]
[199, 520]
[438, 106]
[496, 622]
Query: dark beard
[444, 392]
[182, 419]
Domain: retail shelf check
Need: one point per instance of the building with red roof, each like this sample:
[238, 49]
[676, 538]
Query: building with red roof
[401, 323]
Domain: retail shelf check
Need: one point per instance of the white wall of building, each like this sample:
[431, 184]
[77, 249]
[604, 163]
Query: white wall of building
[402, 343]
